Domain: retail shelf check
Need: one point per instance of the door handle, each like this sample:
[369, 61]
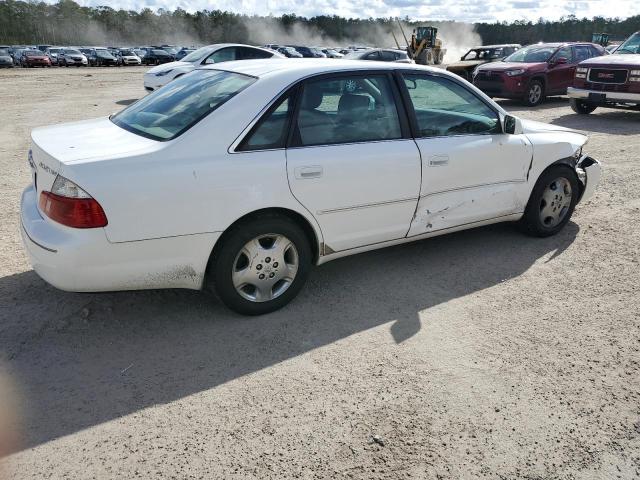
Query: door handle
[313, 171]
[438, 160]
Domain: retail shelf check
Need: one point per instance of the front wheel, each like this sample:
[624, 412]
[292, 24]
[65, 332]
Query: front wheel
[582, 107]
[552, 202]
[261, 265]
[535, 93]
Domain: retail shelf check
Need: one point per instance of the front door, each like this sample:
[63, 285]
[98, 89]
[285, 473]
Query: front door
[560, 75]
[471, 171]
[352, 165]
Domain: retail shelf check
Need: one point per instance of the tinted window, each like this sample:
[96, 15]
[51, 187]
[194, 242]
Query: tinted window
[169, 111]
[245, 53]
[445, 108]
[372, 56]
[582, 52]
[347, 109]
[388, 56]
[271, 131]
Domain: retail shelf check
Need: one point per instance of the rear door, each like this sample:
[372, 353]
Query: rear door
[351, 162]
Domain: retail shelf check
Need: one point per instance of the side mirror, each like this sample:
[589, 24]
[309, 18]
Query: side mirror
[512, 125]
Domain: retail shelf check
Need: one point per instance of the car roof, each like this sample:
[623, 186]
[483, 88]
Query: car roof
[299, 68]
[502, 45]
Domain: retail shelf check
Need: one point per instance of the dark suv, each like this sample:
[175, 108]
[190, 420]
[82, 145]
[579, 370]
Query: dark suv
[611, 81]
[308, 52]
[534, 72]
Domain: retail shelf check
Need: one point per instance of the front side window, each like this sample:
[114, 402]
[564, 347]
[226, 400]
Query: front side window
[347, 109]
[582, 52]
[223, 55]
[564, 52]
[445, 108]
[173, 109]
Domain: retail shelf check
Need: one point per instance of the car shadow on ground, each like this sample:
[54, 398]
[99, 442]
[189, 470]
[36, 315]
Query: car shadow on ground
[98, 357]
[128, 101]
[617, 122]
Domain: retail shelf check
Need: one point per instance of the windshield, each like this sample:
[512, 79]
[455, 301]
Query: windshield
[160, 53]
[4, 52]
[54, 50]
[483, 54]
[197, 55]
[31, 53]
[72, 52]
[531, 54]
[176, 107]
[631, 45]
[103, 53]
[126, 53]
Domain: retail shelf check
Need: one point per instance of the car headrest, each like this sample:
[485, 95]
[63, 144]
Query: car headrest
[350, 104]
[312, 97]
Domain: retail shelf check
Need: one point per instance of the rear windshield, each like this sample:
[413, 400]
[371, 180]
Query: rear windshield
[176, 107]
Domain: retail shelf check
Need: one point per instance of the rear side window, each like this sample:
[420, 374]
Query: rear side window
[347, 109]
[173, 109]
[373, 56]
[271, 131]
[445, 108]
[582, 52]
[245, 53]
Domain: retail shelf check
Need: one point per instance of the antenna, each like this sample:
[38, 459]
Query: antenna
[395, 40]
[405, 37]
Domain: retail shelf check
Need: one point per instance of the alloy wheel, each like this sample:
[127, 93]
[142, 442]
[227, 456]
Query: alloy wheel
[535, 92]
[265, 267]
[555, 202]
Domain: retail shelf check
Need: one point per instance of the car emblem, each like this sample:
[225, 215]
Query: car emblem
[605, 75]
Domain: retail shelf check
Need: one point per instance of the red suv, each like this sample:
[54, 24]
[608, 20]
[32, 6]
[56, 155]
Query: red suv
[612, 81]
[535, 72]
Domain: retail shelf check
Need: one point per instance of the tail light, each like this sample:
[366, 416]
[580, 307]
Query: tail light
[69, 205]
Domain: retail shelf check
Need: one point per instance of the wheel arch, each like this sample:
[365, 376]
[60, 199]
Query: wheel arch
[312, 232]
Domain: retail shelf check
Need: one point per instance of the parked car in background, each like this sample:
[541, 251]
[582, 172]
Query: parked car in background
[211, 54]
[611, 48]
[14, 52]
[379, 55]
[534, 72]
[272, 46]
[68, 57]
[156, 56]
[34, 58]
[611, 81]
[127, 56]
[183, 52]
[99, 57]
[308, 52]
[6, 61]
[332, 53]
[52, 53]
[479, 56]
[289, 52]
[201, 186]
[42, 48]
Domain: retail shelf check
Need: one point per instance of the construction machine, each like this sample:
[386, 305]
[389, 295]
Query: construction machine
[425, 47]
[601, 39]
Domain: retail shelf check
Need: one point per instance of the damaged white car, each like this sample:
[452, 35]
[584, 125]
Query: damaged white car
[241, 177]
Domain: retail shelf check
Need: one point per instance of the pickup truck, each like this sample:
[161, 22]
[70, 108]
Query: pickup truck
[611, 81]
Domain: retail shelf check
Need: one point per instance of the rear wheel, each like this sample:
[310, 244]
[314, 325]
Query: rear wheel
[261, 265]
[582, 107]
[552, 202]
[535, 93]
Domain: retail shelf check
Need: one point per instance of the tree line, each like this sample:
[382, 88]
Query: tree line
[67, 23]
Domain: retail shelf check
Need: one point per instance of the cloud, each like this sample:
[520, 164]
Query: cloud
[465, 10]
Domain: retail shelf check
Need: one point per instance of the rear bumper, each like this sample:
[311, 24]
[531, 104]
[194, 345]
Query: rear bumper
[589, 171]
[83, 260]
[603, 97]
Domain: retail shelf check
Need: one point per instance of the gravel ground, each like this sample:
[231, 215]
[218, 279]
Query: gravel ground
[479, 354]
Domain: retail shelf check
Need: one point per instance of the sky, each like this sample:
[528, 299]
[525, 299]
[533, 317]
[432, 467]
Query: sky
[464, 10]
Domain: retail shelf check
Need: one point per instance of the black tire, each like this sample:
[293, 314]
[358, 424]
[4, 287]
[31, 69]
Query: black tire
[223, 263]
[581, 107]
[534, 94]
[532, 223]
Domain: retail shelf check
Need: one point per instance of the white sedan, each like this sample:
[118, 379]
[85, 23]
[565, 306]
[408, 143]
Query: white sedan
[242, 178]
[221, 52]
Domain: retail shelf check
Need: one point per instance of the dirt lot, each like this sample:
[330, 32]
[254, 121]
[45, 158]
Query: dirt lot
[479, 354]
